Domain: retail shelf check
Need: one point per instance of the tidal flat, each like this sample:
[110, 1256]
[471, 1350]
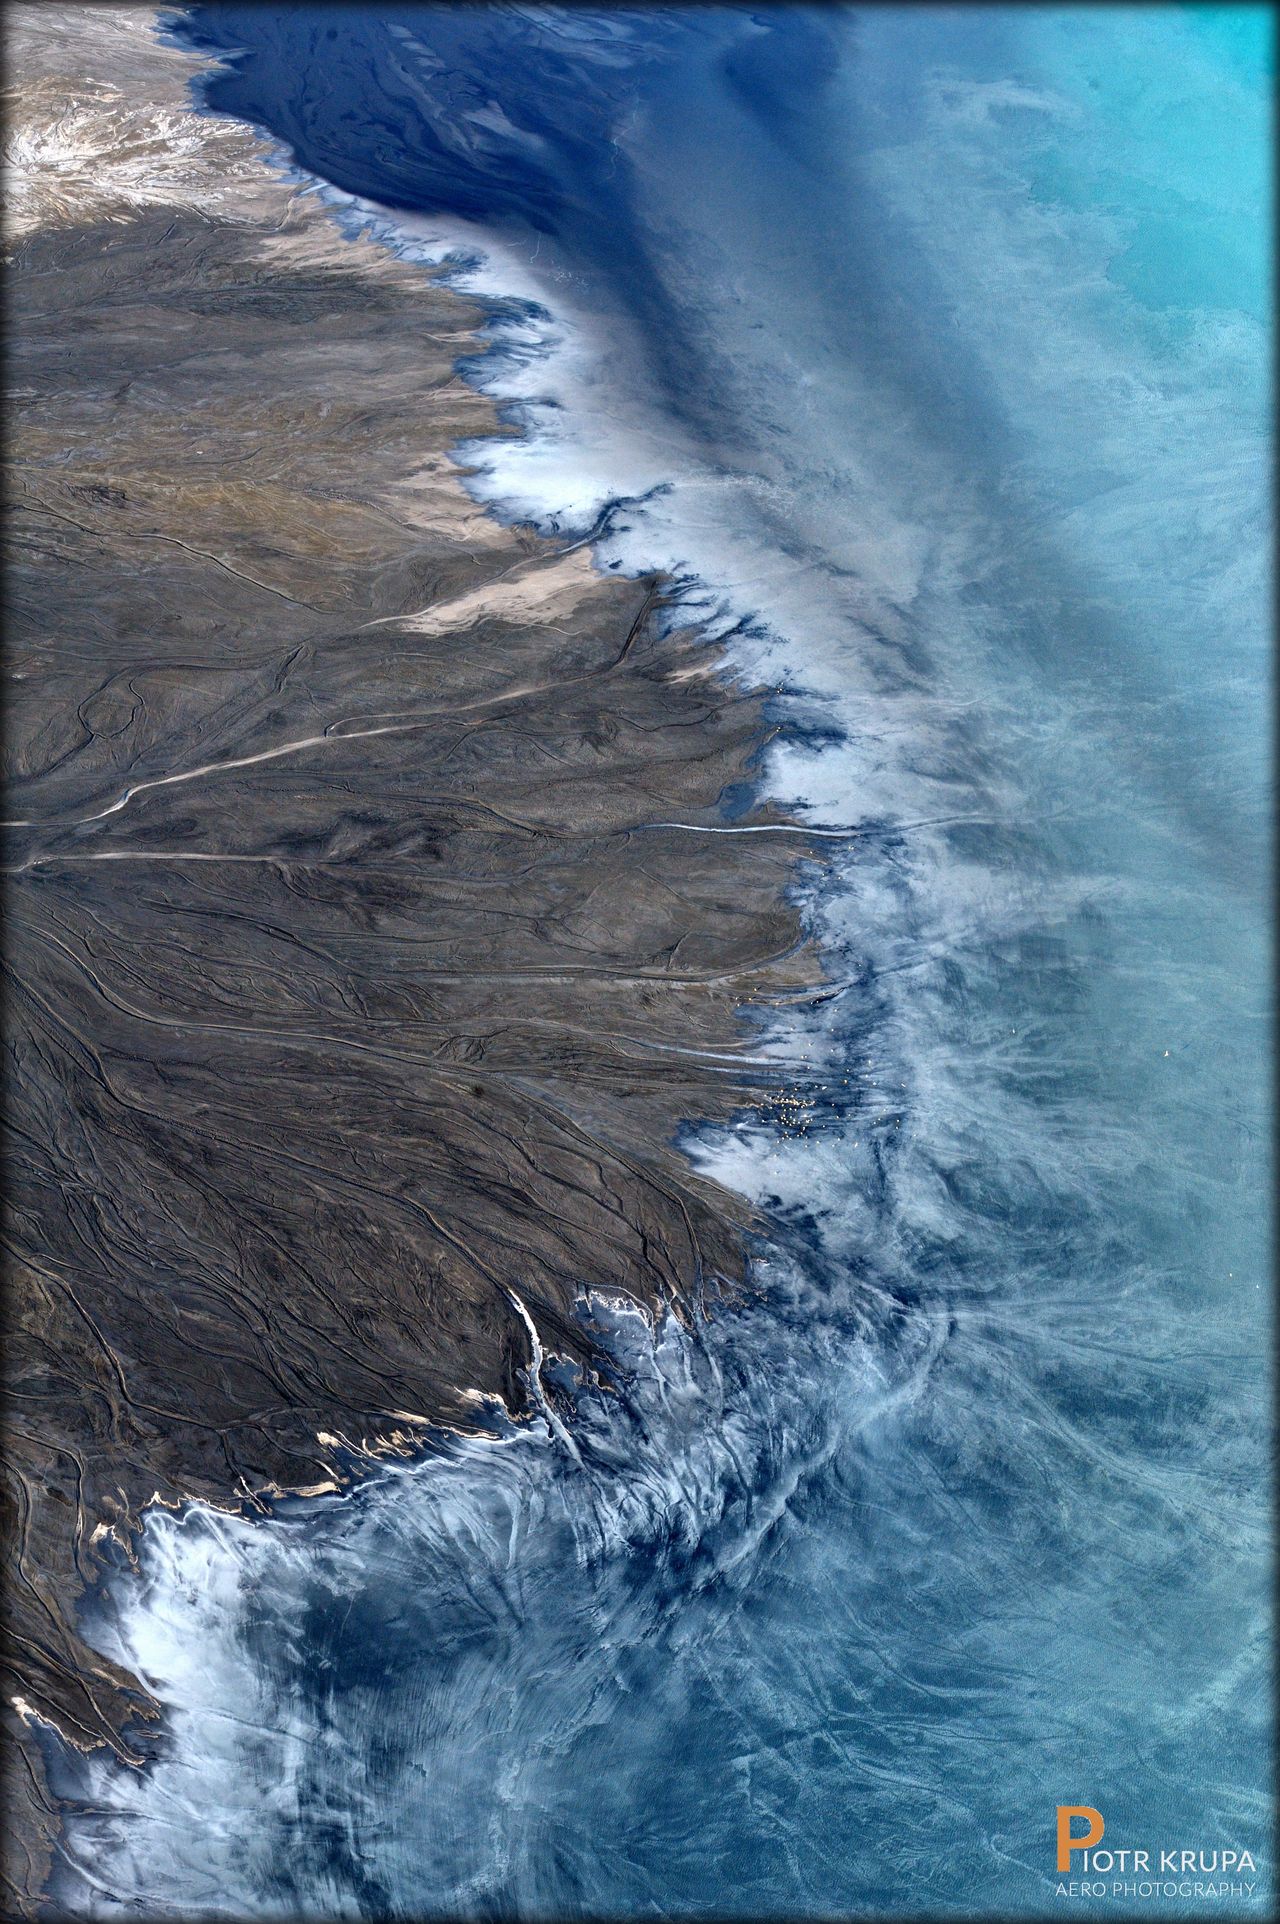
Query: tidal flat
[359, 980]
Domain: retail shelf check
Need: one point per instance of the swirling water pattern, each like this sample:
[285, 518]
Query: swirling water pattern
[929, 350]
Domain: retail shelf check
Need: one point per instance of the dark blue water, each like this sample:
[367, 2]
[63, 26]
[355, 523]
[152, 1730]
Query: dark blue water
[929, 349]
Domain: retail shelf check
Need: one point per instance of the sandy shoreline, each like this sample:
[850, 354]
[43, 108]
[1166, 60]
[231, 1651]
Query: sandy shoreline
[352, 1015]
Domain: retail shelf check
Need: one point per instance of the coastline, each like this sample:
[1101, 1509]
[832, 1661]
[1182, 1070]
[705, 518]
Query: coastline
[349, 995]
[763, 1612]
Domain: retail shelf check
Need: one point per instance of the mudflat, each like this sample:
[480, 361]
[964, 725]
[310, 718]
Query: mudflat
[356, 987]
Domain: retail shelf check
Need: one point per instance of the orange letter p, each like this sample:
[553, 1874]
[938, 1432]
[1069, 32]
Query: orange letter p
[1066, 1842]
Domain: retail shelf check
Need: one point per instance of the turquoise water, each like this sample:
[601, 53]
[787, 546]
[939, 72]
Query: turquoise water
[930, 349]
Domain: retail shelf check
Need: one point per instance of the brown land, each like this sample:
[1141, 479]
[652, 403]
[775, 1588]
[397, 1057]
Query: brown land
[353, 999]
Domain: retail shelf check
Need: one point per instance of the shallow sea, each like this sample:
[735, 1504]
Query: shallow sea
[929, 350]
